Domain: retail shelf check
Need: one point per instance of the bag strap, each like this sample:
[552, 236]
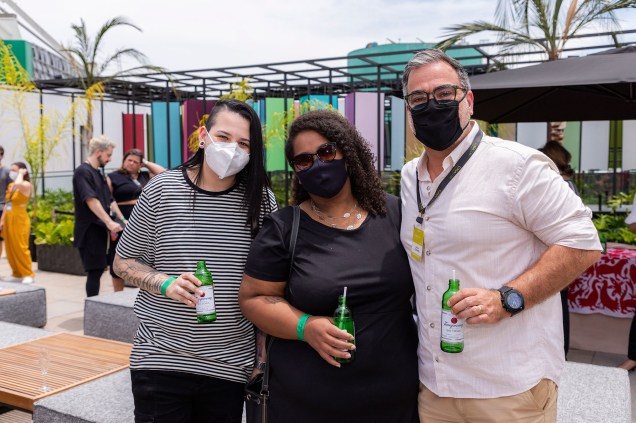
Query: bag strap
[292, 249]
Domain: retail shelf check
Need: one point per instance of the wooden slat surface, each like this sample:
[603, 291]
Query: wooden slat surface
[73, 360]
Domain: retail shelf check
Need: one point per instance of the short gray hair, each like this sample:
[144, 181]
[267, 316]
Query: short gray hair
[100, 143]
[432, 55]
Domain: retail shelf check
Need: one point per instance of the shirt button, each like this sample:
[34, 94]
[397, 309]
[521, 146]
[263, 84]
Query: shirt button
[432, 325]
[427, 217]
[437, 359]
[428, 288]
[428, 188]
[428, 252]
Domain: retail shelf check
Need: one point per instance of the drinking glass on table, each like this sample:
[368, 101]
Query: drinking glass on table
[43, 358]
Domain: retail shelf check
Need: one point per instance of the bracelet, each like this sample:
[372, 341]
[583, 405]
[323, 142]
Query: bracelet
[166, 284]
[300, 329]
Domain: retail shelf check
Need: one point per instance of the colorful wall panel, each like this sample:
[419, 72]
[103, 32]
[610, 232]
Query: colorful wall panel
[275, 145]
[398, 133]
[134, 136]
[572, 143]
[166, 128]
[629, 145]
[320, 101]
[532, 134]
[361, 109]
[594, 145]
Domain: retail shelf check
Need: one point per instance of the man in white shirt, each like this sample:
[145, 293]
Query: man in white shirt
[500, 215]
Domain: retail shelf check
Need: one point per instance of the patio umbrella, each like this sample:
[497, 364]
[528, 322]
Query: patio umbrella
[596, 87]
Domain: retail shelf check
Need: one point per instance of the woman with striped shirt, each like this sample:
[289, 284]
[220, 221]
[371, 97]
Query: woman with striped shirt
[210, 208]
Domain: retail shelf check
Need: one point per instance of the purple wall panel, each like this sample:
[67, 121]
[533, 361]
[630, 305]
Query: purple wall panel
[366, 120]
[350, 109]
[192, 113]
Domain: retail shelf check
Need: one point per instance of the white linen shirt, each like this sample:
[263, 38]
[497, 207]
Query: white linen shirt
[491, 223]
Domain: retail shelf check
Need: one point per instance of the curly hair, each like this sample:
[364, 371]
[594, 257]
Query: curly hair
[366, 185]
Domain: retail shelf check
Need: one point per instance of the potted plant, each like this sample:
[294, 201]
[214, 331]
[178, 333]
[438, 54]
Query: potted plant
[54, 234]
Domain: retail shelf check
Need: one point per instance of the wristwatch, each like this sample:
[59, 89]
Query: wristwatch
[511, 300]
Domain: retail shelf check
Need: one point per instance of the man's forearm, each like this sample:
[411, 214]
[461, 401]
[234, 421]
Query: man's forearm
[139, 274]
[555, 270]
[98, 210]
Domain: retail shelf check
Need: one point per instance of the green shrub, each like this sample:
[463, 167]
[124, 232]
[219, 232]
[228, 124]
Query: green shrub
[50, 227]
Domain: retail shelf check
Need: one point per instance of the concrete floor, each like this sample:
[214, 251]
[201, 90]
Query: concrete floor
[65, 296]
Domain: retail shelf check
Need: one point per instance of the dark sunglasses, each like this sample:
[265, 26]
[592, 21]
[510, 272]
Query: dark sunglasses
[325, 153]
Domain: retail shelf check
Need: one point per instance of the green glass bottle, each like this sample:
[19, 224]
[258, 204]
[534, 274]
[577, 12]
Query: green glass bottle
[206, 309]
[452, 339]
[343, 319]
[603, 239]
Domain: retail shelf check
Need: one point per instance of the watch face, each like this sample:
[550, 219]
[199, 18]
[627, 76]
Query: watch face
[514, 300]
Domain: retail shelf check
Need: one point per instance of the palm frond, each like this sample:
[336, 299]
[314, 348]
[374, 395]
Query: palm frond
[120, 54]
[107, 26]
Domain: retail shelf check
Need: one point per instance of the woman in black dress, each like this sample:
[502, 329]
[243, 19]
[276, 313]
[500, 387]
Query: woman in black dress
[348, 236]
[126, 184]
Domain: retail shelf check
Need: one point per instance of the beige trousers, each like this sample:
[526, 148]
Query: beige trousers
[537, 405]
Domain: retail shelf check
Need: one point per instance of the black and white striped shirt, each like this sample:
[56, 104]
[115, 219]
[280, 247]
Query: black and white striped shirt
[174, 225]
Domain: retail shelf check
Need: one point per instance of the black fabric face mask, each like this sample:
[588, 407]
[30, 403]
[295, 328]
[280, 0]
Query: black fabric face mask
[324, 179]
[437, 126]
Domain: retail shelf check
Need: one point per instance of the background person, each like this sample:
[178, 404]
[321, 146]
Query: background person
[126, 184]
[4, 183]
[209, 208]
[630, 363]
[15, 224]
[348, 237]
[93, 206]
[561, 158]
[515, 234]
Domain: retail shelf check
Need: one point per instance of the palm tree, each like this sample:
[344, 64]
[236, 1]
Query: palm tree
[85, 57]
[544, 26]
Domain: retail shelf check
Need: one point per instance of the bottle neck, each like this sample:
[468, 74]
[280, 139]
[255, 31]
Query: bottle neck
[453, 284]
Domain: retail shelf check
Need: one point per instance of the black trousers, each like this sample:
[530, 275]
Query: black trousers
[176, 397]
[631, 347]
[566, 320]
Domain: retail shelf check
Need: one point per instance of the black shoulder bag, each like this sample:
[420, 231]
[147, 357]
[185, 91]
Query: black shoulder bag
[257, 389]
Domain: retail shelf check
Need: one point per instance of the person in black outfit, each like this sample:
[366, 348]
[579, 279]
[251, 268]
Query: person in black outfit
[126, 184]
[561, 158]
[348, 237]
[93, 206]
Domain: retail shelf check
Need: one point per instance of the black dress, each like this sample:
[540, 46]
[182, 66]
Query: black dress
[381, 385]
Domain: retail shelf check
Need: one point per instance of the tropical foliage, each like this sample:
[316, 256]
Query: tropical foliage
[94, 69]
[542, 25]
[613, 225]
[55, 218]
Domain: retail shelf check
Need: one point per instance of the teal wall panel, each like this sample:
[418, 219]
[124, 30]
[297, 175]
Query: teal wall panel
[167, 150]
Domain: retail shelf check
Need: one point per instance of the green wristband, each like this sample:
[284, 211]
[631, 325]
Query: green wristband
[166, 284]
[300, 329]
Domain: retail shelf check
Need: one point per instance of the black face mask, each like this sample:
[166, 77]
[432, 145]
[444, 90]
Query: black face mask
[437, 126]
[324, 179]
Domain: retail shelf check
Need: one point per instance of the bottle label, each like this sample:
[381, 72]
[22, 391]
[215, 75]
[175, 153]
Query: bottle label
[452, 328]
[206, 301]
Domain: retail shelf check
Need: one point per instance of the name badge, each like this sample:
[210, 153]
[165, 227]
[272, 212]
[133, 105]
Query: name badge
[417, 246]
[8, 206]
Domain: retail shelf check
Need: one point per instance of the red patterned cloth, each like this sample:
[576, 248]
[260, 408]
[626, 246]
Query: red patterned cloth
[607, 287]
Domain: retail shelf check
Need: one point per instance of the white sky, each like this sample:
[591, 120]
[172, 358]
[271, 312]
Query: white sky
[192, 34]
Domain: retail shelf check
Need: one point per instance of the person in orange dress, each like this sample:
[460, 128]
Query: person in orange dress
[16, 225]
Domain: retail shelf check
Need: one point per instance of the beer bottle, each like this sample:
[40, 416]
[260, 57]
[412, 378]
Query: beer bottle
[343, 319]
[603, 239]
[452, 339]
[206, 310]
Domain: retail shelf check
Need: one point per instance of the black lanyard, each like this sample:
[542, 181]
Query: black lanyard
[454, 171]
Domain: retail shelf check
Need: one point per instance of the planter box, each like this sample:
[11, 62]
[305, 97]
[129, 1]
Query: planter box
[60, 258]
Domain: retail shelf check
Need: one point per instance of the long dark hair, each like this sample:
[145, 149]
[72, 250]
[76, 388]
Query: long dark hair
[22, 165]
[560, 156]
[366, 185]
[253, 176]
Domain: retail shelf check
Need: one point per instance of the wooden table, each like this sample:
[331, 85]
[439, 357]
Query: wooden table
[73, 360]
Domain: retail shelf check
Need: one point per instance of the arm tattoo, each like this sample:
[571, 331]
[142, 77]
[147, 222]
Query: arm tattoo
[140, 274]
[273, 300]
